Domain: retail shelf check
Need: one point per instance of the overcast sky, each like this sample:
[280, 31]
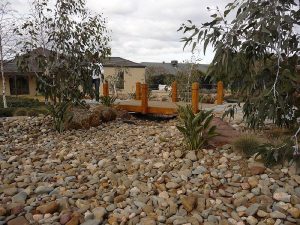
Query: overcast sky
[146, 30]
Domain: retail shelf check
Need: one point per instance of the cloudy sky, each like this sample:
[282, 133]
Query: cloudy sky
[146, 31]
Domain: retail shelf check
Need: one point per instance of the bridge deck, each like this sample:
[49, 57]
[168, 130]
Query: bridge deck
[157, 107]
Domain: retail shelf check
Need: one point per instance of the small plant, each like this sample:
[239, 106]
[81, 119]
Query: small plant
[61, 114]
[108, 100]
[132, 95]
[247, 144]
[196, 128]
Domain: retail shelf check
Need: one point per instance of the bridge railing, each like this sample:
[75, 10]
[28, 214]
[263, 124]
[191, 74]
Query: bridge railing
[142, 94]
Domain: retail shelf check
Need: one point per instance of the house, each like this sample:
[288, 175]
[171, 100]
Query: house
[128, 73]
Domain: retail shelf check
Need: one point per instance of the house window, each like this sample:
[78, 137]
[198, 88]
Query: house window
[120, 82]
[19, 85]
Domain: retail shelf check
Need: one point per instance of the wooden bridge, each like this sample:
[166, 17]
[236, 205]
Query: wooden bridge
[141, 104]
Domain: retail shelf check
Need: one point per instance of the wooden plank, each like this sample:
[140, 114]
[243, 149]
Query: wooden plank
[220, 93]
[195, 97]
[105, 89]
[138, 91]
[130, 108]
[144, 98]
[174, 91]
[162, 111]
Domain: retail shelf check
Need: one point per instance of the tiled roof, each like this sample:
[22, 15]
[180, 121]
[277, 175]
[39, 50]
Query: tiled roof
[11, 66]
[120, 62]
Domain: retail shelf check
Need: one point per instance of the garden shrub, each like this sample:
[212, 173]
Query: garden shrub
[247, 144]
[108, 100]
[196, 128]
[273, 154]
[20, 112]
[6, 112]
[17, 102]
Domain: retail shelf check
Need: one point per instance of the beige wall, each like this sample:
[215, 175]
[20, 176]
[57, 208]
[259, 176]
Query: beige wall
[32, 86]
[131, 77]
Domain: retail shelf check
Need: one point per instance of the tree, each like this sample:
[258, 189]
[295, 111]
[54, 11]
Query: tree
[256, 55]
[7, 40]
[63, 40]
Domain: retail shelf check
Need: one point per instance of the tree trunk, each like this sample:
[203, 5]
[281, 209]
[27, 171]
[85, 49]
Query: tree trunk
[2, 75]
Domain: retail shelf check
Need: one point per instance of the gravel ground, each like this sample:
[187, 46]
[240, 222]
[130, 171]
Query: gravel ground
[134, 173]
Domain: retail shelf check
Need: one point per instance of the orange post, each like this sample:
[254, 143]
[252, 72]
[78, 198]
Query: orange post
[105, 89]
[138, 91]
[220, 93]
[144, 98]
[174, 91]
[195, 97]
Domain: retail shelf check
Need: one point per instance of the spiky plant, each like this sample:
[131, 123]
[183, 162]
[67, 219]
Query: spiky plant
[196, 128]
[108, 100]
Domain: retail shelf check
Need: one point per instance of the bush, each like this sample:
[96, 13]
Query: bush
[247, 144]
[273, 154]
[17, 102]
[6, 112]
[108, 100]
[21, 112]
[196, 128]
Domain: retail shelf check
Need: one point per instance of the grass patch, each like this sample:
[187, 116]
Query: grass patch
[247, 144]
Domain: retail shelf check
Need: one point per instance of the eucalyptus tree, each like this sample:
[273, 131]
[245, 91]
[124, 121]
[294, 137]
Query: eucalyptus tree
[63, 40]
[7, 40]
[256, 55]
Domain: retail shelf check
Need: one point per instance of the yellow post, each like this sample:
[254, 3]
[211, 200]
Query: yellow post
[138, 91]
[144, 98]
[220, 93]
[195, 97]
[105, 89]
[174, 91]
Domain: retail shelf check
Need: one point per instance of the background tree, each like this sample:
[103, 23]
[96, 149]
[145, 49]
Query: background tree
[63, 39]
[256, 55]
[8, 40]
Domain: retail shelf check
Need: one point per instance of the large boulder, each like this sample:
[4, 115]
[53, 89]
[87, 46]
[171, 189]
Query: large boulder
[84, 118]
[106, 114]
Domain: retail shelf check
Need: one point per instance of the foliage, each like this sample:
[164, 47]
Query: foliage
[6, 112]
[273, 154]
[256, 56]
[17, 102]
[108, 100]
[247, 144]
[185, 77]
[209, 99]
[196, 128]
[157, 75]
[61, 114]
[63, 40]
[20, 112]
[8, 40]
[132, 95]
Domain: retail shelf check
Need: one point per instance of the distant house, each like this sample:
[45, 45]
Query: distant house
[20, 83]
[128, 72]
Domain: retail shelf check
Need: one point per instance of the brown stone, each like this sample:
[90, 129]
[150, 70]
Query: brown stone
[2, 211]
[18, 221]
[73, 221]
[189, 202]
[256, 168]
[51, 207]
